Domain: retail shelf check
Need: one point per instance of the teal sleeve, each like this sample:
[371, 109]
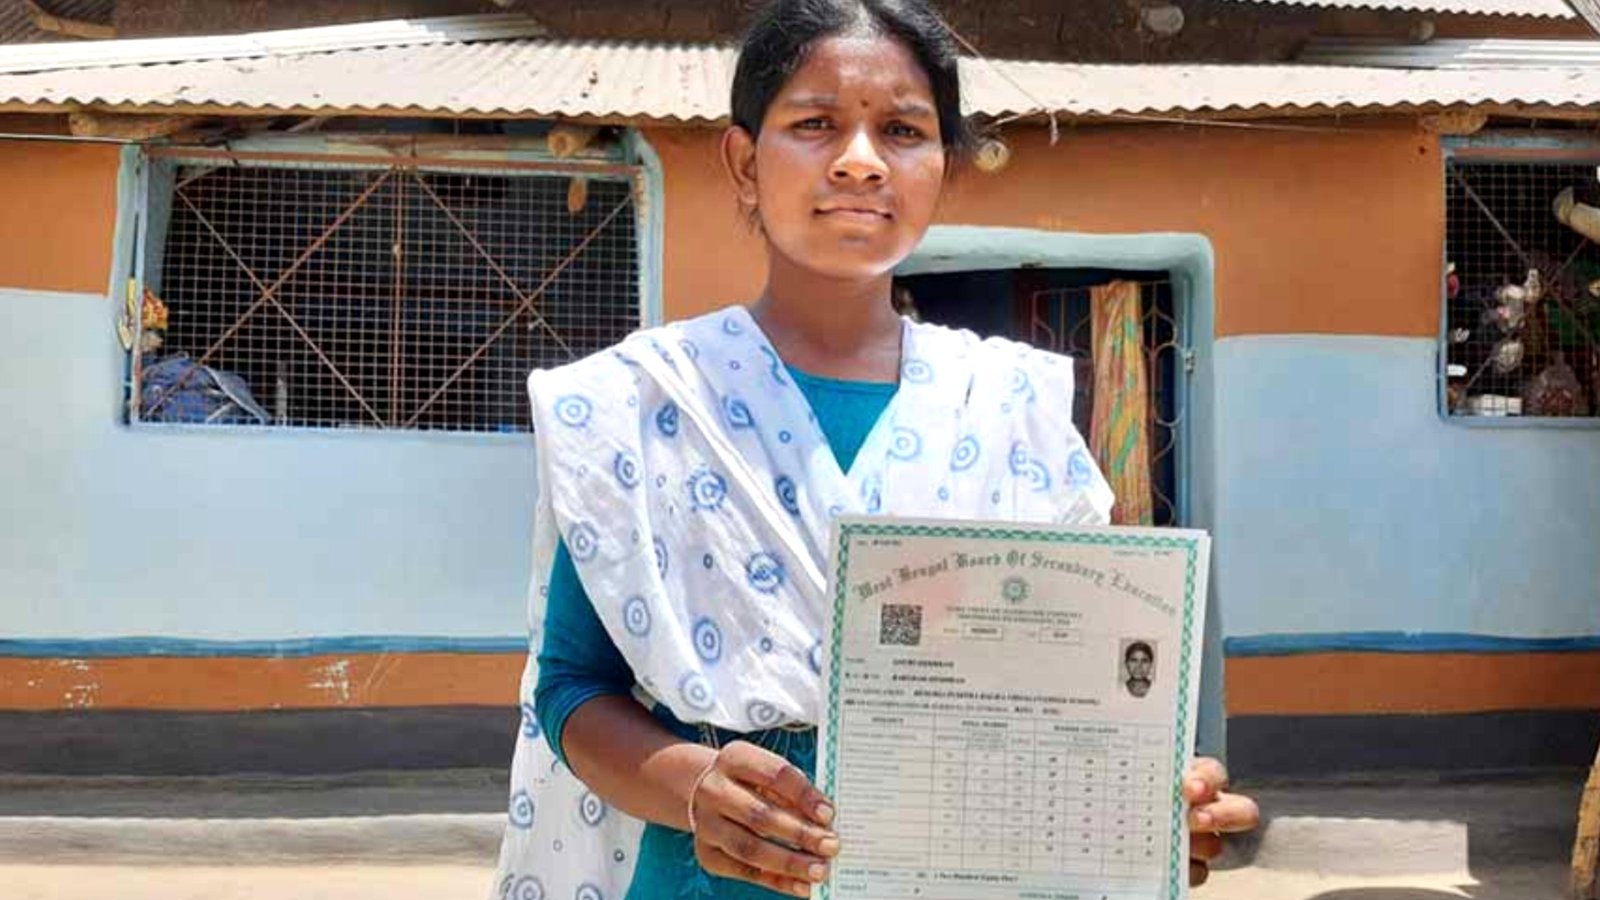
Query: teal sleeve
[577, 661]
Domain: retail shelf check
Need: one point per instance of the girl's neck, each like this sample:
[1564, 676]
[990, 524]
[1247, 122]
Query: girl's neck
[838, 329]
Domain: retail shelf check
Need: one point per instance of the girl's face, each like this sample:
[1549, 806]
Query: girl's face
[849, 166]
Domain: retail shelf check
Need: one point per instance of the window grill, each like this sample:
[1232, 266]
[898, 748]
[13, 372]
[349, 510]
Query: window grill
[1060, 321]
[1522, 291]
[385, 298]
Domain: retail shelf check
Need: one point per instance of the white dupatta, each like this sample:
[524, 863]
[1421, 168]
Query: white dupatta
[694, 490]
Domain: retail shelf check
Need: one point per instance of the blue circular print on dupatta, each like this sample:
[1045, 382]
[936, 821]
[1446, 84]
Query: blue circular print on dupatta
[591, 809]
[574, 410]
[583, 542]
[667, 419]
[965, 454]
[528, 887]
[696, 691]
[707, 489]
[636, 616]
[785, 489]
[626, 468]
[916, 371]
[521, 811]
[765, 572]
[707, 639]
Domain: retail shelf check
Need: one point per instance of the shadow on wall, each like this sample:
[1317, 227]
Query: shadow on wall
[1475, 892]
[1383, 893]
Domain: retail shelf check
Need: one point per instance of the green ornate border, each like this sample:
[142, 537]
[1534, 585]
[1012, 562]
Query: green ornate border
[1177, 861]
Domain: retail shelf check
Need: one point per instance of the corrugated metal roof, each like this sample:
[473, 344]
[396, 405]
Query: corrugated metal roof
[598, 79]
[361, 35]
[1544, 8]
[1276, 89]
[1453, 54]
[16, 21]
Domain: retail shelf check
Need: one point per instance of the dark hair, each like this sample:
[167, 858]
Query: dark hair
[784, 31]
[1138, 645]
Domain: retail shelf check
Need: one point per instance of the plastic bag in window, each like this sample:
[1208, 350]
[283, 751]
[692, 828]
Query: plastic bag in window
[177, 389]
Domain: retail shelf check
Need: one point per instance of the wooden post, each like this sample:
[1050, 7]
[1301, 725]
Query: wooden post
[1588, 10]
[129, 127]
[567, 141]
[1586, 849]
[46, 21]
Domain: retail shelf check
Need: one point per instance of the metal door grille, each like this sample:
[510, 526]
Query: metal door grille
[390, 298]
[1060, 322]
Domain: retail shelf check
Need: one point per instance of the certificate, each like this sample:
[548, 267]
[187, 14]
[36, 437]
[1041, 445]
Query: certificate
[1010, 709]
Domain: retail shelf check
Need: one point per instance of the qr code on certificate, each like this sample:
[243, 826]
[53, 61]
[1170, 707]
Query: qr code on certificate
[901, 625]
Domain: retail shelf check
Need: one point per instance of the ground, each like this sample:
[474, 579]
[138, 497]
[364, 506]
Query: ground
[414, 836]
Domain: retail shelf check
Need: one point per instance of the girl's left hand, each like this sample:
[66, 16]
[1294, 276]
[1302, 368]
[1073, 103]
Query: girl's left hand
[1213, 812]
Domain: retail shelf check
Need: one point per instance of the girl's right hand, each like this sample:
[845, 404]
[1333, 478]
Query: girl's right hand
[759, 819]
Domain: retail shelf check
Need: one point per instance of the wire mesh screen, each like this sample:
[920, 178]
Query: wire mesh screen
[1522, 286]
[1061, 321]
[389, 298]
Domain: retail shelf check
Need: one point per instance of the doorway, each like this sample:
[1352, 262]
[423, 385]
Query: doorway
[1051, 308]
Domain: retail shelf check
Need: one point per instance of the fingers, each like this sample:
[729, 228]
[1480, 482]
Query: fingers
[749, 826]
[1205, 779]
[1229, 814]
[1205, 846]
[749, 848]
[764, 819]
[718, 862]
[774, 776]
[1198, 873]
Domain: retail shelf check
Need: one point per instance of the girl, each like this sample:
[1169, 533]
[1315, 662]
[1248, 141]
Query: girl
[687, 473]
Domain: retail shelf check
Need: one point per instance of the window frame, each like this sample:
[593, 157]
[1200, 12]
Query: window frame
[1501, 147]
[631, 160]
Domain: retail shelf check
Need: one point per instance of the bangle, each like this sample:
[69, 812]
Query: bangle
[695, 789]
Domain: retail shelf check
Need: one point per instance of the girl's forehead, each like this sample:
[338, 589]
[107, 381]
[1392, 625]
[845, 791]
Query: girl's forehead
[860, 66]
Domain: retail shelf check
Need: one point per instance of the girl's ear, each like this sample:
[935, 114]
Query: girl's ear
[739, 161]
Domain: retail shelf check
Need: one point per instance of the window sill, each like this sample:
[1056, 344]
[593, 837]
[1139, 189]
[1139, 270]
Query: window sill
[1528, 422]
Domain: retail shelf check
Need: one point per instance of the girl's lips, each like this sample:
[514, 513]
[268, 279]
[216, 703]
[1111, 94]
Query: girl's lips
[855, 214]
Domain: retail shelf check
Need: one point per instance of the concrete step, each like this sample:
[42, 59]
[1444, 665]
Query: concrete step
[375, 817]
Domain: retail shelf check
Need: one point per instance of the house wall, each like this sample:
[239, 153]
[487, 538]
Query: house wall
[1378, 570]
[1376, 567]
[222, 570]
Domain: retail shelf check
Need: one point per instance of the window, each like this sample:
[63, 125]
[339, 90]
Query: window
[1522, 289]
[323, 294]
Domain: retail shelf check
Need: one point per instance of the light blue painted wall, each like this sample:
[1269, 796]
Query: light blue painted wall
[231, 534]
[1346, 504]
[247, 535]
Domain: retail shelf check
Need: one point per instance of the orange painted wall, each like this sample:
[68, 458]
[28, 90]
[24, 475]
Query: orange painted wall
[712, 259]
[1335, 231]
[259, 683]
[1309, 684]
[58, 221]
[1429, 683]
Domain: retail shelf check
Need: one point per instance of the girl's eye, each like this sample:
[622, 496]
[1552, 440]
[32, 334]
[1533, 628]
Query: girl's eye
[815, 123]
[902, 130]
